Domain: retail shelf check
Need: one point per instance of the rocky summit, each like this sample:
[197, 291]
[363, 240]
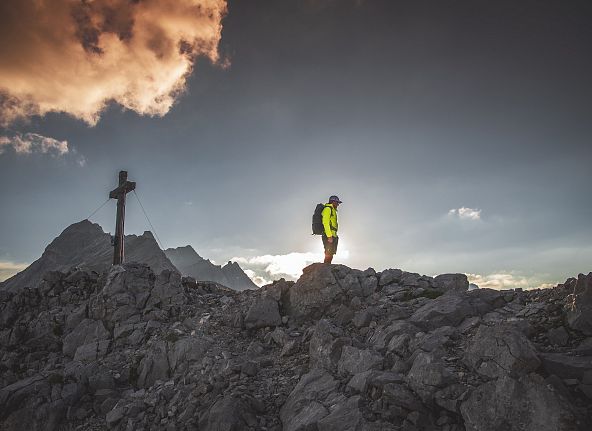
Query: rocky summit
[340, 349]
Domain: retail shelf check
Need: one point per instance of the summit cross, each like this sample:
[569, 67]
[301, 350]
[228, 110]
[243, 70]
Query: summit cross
[119, 193]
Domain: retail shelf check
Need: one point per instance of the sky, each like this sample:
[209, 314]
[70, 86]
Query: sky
[457, 133]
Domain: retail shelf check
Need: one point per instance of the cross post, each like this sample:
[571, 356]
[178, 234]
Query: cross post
[119, 193]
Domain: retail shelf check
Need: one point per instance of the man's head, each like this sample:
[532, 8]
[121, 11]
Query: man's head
[334, 200]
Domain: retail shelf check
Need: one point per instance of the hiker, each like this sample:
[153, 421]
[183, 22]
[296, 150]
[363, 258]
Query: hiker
[330, 238]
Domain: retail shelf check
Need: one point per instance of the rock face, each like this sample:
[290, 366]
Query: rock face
[496, 351]
[579, 304]
[191, 264]
[340, 349]
[526, 404]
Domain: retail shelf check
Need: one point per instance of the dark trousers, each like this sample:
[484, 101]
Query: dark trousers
[330, 247]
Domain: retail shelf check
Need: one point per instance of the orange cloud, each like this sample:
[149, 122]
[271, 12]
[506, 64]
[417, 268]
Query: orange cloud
[76, 56]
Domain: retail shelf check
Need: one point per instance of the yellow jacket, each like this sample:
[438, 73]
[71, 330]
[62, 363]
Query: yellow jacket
[329, 215]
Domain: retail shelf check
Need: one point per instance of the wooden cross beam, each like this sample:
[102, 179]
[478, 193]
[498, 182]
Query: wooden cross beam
[119, 193]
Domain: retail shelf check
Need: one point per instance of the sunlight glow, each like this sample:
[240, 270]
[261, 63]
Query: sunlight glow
[290, 265]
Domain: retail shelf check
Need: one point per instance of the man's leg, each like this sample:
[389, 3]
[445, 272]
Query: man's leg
[327, 246]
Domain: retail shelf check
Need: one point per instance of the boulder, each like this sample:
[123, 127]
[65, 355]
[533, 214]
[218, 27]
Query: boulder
[579, 305]
[399, 395]
[428, 374]
[263, 312]
[435, 340]
[314, 292]
[167, 291]
[344, 315]
[154, 366]
[350, 284]
[354, 361]
[495, 351]
[326, 345]
[187, 350]
[344, 417]
[446, 310]
[451, 397]
[361, 382]
[228, 414]
[565, 366]
[558, 336]
[124, 295]
[585, 347]
[362, 319]
[92, 351]
[306, 404]
[12, 396]
[88, 332]
[452, 282]
[383, 335]
[369, 284]
[390, 276]
[524, 404]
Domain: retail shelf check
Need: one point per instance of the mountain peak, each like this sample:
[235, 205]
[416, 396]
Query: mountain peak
[85, 244]
[189, 263]
[83, 226]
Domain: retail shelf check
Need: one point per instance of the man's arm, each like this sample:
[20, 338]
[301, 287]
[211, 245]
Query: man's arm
[326, 216]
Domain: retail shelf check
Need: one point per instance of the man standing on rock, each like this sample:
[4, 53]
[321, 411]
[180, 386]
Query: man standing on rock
[330, 238]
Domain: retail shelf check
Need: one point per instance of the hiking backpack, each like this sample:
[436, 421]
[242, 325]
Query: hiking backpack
[317, 220]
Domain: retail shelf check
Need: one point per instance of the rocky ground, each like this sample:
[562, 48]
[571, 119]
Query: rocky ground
[340, 349]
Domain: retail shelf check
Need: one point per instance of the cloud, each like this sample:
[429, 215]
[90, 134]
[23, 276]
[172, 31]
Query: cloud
[283, 265]
[262, 269]
[464, 213]
[81, 161]
[33, 143]
[76, 56]
[8, 269]
[506, 281]
[257, 279]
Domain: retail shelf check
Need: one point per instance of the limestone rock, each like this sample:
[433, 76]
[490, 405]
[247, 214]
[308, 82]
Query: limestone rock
[314, 292]
[558, 336]
[565, 366]
[186, 351]
[428, 374]
[228, 414]
[354, 361]
[446, 310]
[579, 304]
[305, 406]
[526, 404]
[88, 332]
[326, 345]
[390, 276]
[263, 312]
[452, 282]
[154, 366]
[496, 351]
[344, 417]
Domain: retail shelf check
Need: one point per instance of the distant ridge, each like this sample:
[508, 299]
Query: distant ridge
[86, 245]
[191, 264]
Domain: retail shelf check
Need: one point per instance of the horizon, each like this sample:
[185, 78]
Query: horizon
[292, 270]
[457, 135]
